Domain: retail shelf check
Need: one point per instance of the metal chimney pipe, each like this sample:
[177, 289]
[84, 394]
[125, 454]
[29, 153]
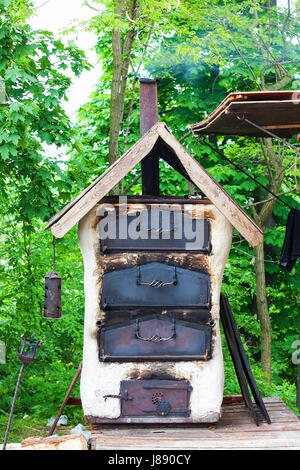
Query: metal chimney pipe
[149, 117]
[148, 104]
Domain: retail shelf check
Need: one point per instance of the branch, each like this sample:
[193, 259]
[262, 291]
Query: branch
[251, 204]
[138, 176]
[133, 87]
[245, 62]
[185, 136]
[286, 80]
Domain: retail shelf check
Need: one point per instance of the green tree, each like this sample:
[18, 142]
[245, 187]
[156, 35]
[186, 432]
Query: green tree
[35, 75]
[237, 46]
[130, 26]
[196, 70]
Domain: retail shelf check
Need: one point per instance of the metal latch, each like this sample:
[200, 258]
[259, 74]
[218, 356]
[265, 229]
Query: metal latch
[121, 396]
[154, 338]
[156, 282]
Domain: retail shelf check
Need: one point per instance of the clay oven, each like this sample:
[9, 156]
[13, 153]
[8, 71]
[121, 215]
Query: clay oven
[153, 269]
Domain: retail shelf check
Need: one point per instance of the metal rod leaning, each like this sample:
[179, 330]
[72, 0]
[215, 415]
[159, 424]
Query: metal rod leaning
[13, 407]
[77, 374]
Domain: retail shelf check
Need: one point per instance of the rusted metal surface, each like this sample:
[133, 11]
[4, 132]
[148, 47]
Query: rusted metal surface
[168, 234]
[66, 399]
[244, 374]
[230, 399]
[155, 398]
[115, 317]
[28, 349]
[155, 284]
[149, 117]
[155, 338]
[13, 406]
[74, 401]
[117, 261]
[148, 105]
[142, 322]
[27, 352]
[52, 302]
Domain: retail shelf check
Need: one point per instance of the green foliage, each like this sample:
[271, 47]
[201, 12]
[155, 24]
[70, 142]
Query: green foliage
[198, 60]
[223, 52]
[33, 185]
[32, 65]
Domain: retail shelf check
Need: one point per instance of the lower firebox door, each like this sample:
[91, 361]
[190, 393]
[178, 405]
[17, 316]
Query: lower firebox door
[141, 398]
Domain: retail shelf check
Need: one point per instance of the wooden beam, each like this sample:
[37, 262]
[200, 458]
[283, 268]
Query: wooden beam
[150, 174]
[67, 218]
[219, 197]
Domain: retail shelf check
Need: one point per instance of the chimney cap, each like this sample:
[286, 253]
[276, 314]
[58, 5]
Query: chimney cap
[147, 80]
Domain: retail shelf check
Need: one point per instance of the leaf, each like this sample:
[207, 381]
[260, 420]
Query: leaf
[12, 74]
[4, 152]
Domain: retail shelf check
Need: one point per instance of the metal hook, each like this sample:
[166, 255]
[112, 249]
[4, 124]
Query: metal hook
[53, 244]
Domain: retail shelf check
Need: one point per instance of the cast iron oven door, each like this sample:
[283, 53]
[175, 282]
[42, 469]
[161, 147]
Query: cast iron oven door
[155, 285]
[163, 237]
[154, 398]
[155, 338]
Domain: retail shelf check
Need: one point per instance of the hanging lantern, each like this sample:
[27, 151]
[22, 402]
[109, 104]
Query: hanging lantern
[52, 303]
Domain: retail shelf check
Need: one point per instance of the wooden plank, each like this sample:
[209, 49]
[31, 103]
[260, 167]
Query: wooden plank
[199, 444]
[81, 205]
[237, 406]
[207, 434]
[193, 431]
[219, 197]
[204, 445]
[236, 432]
[250, 440]
[150, 174]
[276, 110]
[271, 405]
[244, 96]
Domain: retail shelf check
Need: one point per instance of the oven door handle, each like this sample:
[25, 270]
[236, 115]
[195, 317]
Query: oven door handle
[156, 283]
[121, 396]
[154, 338]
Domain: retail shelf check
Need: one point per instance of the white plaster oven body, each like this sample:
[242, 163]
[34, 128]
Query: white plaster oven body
[103, 378]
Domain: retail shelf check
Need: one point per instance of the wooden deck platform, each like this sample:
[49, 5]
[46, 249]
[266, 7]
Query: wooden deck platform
[235, 431]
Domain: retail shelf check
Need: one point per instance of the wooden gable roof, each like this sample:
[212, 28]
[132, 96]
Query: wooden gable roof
[178, 157]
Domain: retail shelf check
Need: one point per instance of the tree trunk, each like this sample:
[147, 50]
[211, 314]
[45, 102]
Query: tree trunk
[273, 161]
[263, 311]
[298, 377]
[121, 60]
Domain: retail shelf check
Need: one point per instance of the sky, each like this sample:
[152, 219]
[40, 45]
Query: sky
[56, 15]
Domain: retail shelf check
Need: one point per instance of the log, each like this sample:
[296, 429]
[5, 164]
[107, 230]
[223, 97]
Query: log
[68, 442]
